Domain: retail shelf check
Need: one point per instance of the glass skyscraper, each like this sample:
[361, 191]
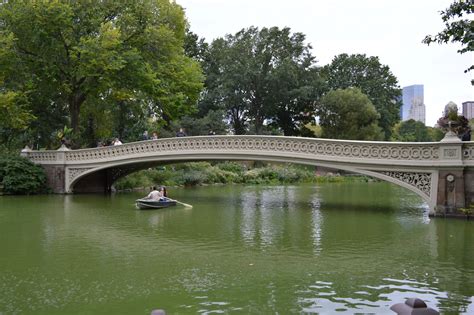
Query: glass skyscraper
[413, 103]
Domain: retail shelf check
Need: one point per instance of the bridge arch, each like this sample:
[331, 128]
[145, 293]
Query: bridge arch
[123, 168]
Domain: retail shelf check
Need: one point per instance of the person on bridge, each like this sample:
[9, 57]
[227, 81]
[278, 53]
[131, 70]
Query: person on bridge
[181, 133]
[466, 136]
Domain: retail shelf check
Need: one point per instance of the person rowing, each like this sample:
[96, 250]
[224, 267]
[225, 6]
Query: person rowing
[162, 195]
[163, 192]
[156, 194]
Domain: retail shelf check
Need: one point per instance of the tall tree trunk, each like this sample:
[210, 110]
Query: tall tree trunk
[239, 128]
[75, 101]
[258, 124]
[285, 123]
[237, 121]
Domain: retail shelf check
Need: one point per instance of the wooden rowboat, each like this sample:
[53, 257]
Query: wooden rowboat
[147, 204]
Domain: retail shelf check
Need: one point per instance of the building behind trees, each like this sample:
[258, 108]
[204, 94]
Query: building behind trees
[413, 103]
[468, 109]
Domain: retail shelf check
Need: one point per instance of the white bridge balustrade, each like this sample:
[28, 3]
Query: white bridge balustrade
[442, 173]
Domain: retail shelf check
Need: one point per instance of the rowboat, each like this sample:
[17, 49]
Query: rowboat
[144, 204]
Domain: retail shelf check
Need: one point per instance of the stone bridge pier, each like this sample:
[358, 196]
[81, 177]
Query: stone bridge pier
[441, 173]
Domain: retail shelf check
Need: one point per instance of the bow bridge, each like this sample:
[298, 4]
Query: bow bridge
[442, 173]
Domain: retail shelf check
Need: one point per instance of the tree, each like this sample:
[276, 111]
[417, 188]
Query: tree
[195, 47]
[373, 79]
[71, 55]
[15, 116]
[411, 131]
[348, 114]
[258, 76]
[200, 126]
[436, 134]
[457, 30]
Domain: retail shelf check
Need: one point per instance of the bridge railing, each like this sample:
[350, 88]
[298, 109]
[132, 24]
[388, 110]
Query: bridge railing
[325, 149]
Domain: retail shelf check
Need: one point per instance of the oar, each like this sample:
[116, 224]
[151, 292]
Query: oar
[184, 204]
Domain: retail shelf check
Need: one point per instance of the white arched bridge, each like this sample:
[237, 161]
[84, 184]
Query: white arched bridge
[442, 173]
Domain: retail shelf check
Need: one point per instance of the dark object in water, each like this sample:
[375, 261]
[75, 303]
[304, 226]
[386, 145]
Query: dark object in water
[146, 204]
[413, 306]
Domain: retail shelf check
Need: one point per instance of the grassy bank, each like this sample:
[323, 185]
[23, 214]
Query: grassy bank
[205, 173]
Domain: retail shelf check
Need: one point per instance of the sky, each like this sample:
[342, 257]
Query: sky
[390, 30]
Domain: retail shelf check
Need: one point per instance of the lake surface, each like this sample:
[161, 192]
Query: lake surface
[327, 248]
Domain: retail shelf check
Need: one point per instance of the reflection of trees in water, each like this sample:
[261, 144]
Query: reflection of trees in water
[281, 217]
[369, 250]
[263, 214]
[455, 251]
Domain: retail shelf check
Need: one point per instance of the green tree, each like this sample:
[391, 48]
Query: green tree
[15, 115]
[261, 75]
[411, 131]
[348, 114]
[373, 79]
[436, 134]
[199, 126]
[195, 47]
[75, 54]
[459, 28]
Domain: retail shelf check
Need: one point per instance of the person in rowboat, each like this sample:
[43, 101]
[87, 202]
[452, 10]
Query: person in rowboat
[154, 194]
[163, 192]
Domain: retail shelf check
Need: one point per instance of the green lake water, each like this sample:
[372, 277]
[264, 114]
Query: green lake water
[326, 248]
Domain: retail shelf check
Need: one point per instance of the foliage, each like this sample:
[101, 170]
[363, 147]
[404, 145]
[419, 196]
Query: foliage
[257, 76]
[195, 47]
[411, 131]
[199, 126]
[233, 167]
[416, 131]
[19, 175]
[459, 28]
[348, 114]
[139, 180]
[435, 134]
[313, 130]
[204, 173]
[124, 56]
[15, 115]
[467, 211]
[373, 79]
[193, 178]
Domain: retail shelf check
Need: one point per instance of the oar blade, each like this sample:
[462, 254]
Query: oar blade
[184, 204]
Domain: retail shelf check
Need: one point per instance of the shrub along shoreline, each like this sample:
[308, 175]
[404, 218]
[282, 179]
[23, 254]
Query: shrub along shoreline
[20, 176]
[205, 173]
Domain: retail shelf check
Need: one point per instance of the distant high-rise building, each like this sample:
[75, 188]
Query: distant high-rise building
[450, 107]
[468, 109]
[413, 104]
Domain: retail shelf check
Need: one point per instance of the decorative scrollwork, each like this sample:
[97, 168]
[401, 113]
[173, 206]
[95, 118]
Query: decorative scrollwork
[421, 181]
[73, 173]
[468, 152]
